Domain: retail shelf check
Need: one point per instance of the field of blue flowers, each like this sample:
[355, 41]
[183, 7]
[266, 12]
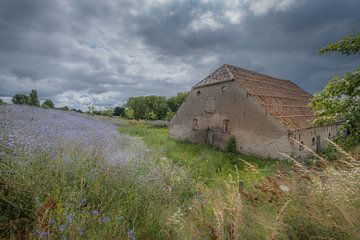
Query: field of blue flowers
[28, 129]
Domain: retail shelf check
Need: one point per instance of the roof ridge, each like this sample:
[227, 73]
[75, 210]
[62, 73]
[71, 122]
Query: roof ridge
[256, 73]
[229, 72]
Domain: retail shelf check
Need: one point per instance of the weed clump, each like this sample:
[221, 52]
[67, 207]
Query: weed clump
[230, 145]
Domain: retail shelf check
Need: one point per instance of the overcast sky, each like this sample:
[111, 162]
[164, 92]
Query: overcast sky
[102, 52]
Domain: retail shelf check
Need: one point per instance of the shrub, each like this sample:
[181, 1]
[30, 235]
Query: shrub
[231, 145]
[48, 104]
[20, 99]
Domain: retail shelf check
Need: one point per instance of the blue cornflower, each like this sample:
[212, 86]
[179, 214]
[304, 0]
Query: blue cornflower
[94, 212]
[62, 228]
[131, 234]
[69, 218]
[105, 219]
[42, 235]
[81, 231]
[51, 222]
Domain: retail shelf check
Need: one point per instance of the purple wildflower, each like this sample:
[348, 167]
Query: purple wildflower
[131, 234]
[95, 212]
[42, 235]
[62, 228]
[105, 219]
[69, 218]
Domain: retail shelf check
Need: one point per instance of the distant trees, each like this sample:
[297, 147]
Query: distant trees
[34, 99]
[48, 104]
[119, 111]
[175, 102]
[153, 107]
[21, 99]
[340, 99]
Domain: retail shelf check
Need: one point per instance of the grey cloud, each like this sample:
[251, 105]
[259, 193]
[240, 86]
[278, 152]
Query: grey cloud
[102, 52]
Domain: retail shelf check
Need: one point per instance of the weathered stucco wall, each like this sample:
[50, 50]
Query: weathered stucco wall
[314, 138]
[255, 131]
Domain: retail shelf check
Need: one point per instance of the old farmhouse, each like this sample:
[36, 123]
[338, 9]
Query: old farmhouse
[263, 113]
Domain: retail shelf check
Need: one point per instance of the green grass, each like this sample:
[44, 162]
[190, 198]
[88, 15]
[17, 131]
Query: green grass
[205, 163]
[179, 191]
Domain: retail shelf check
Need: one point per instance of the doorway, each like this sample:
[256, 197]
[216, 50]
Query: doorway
[318, 144]
[209, 137]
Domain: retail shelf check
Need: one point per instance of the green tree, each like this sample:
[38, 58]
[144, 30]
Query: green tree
[20, 99]
[151, 115]
[129, 113]
[48, 104]
[119, 111]
[1, 102]
[169, 116]
[145, 104]
[175, 102]
[340, 99]
[34, 99]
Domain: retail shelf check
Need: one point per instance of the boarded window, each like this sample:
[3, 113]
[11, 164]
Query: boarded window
[195, 124]
[210, 105]
[226, 126]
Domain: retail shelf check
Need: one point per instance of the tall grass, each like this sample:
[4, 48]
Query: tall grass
[179, 191]
[82, 196]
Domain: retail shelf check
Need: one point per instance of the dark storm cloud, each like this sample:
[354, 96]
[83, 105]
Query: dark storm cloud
[102, 52]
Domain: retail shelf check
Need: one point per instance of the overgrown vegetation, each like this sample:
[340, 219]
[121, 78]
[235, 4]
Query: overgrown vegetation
[204, 163]
[180, 191]
[339, 101]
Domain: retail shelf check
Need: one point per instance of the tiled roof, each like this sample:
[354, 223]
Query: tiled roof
[283, 99]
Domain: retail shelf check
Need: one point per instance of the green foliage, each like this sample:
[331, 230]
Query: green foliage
[64, 108]
[1, 102]
[348, 45]
[151, 115]
[119, 111]
[175, 102]
[231, 145]
[20, 99]
[169, 116]
[34, 99]
[155, 107]
[339, 101]
[144, 105]
[129, 113]
[48, 104]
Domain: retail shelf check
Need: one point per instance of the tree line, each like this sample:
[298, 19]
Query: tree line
[145, 107]
[142, 107]
[33, 100]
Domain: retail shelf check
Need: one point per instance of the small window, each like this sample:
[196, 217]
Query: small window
[224, 88]
[301, 147]
[195, 125]
[299, 136]
[329, 135]
[313, 141]
[198, 93]
[226, 126]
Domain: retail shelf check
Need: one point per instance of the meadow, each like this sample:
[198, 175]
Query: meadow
[154, 187]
